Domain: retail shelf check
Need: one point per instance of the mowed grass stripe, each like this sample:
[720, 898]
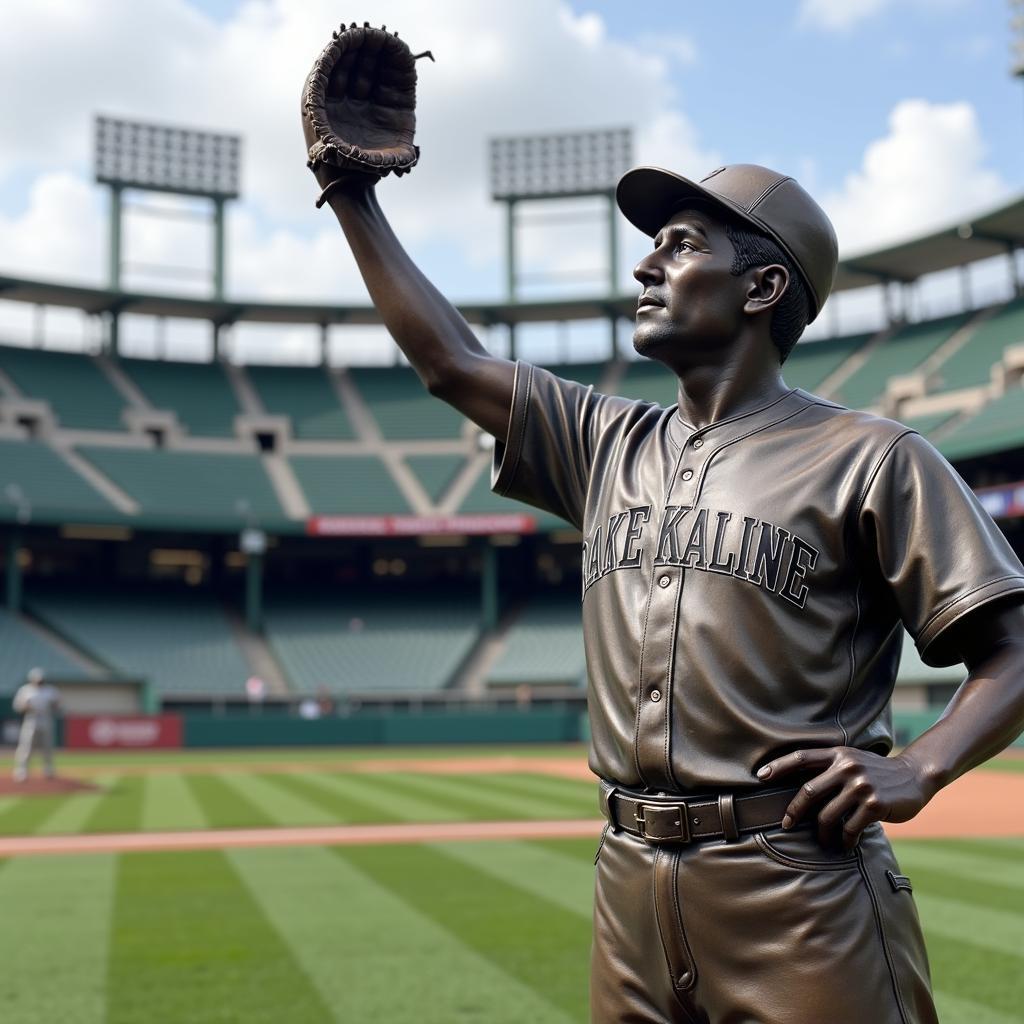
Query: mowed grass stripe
[974, 891]
[340, 807]
[372, 955]
[275, 801]
[54, 938]
[120, 808]
[970, 865]
[999, 930]
[27, 814]
[170, 804]
[379, 791]
[189, 943]
[71, 816]
[991, 979]
[556, 879]
[436, 790]
[1000, 849]
[544, 946]
[478, 798]
[568, 798]
[223, 806]
[954, 1009]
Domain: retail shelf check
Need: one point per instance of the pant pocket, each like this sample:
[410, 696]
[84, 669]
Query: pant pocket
[670, 920]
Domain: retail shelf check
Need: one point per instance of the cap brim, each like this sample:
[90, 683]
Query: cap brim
[648, 196]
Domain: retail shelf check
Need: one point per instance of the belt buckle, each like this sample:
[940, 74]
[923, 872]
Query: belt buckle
[670, 823]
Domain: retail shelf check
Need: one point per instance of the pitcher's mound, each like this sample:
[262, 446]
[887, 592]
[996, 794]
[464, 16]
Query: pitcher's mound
[36, 785]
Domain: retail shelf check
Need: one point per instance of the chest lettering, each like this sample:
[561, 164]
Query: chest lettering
[708, 540]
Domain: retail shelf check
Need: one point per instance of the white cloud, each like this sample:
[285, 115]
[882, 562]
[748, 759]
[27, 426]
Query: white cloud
[506, 69]
[837, 15]
[927, 171]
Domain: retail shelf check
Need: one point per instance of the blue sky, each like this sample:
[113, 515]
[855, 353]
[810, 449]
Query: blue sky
[899, 115]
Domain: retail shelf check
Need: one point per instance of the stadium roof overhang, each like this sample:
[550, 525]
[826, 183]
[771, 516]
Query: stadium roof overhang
[990, 234]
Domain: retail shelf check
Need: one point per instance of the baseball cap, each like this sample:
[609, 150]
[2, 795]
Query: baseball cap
[768, 201]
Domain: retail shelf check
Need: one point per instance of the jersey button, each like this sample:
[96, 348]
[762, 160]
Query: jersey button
[698, 442]
[664, 581]
[687, 474]
[655, 695]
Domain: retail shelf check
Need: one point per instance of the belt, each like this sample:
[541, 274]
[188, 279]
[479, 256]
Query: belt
[676, 819]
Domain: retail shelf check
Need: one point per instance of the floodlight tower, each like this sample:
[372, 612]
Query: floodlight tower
[159, 158]
[1017, 45]
[565, 166]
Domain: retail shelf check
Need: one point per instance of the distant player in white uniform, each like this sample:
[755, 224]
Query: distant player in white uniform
[37, 701]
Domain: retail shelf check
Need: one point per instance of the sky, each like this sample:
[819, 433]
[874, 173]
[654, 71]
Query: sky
[899, 116]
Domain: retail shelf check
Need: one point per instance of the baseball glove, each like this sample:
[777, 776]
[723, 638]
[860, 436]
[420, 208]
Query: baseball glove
[359, 106]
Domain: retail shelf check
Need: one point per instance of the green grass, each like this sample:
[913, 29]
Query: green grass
[441, 933]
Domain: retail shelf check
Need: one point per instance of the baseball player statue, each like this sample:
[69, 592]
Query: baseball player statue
[37, 701]
[752, 556]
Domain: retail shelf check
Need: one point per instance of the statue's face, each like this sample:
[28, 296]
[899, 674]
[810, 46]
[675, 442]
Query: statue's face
[691, 304]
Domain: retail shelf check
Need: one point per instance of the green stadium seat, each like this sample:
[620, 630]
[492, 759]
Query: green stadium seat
[929, 423]
[402, 407]
[348, 485]
[180, 641]
[52, 488]
[899, 354]
[196, 487]
[586, 374]
[649, 382]
[435, 472]
[199, 393]
[22, 648]
[78, 391]
[481, 500]
[971, 365]
[305, 395]
[544, 646]
[998, 426]
[371, 644]
[812, 362]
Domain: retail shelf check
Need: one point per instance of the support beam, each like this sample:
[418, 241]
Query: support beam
[114, 334]
[218, 249]
[12, 580]
[254, 592]
[510, 249]
[613, 246]
[324, 344]
[489, 586]
[115, 238]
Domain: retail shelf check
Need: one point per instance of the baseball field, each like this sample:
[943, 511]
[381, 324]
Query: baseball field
[424, 886]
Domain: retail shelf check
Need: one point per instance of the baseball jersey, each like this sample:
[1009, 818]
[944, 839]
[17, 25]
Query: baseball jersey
[37, 702]
[745, 584]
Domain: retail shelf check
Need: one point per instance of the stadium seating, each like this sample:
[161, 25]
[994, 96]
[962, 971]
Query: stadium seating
[997, 426]
[812, 362]
[544, 646]
[435, 472]
[198, 392]
[371, 644]
[179, 640]
[649, 382]
[971, 365]
[50, 486]
[22, 648]
[928, 424]
[197, 486]
[900, 353]
[305, 395]
[401, 406]
[78, 391]
[348, 485]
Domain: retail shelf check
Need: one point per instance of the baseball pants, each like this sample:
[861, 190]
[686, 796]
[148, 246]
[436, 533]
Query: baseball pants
[767, 929]
[33, 737]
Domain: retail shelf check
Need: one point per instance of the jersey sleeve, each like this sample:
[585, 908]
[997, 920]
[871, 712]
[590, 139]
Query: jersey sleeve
[939, 552]
[553, 432]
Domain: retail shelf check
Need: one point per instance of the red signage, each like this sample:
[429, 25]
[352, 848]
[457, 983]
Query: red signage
[414, 526]
[110, 732]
